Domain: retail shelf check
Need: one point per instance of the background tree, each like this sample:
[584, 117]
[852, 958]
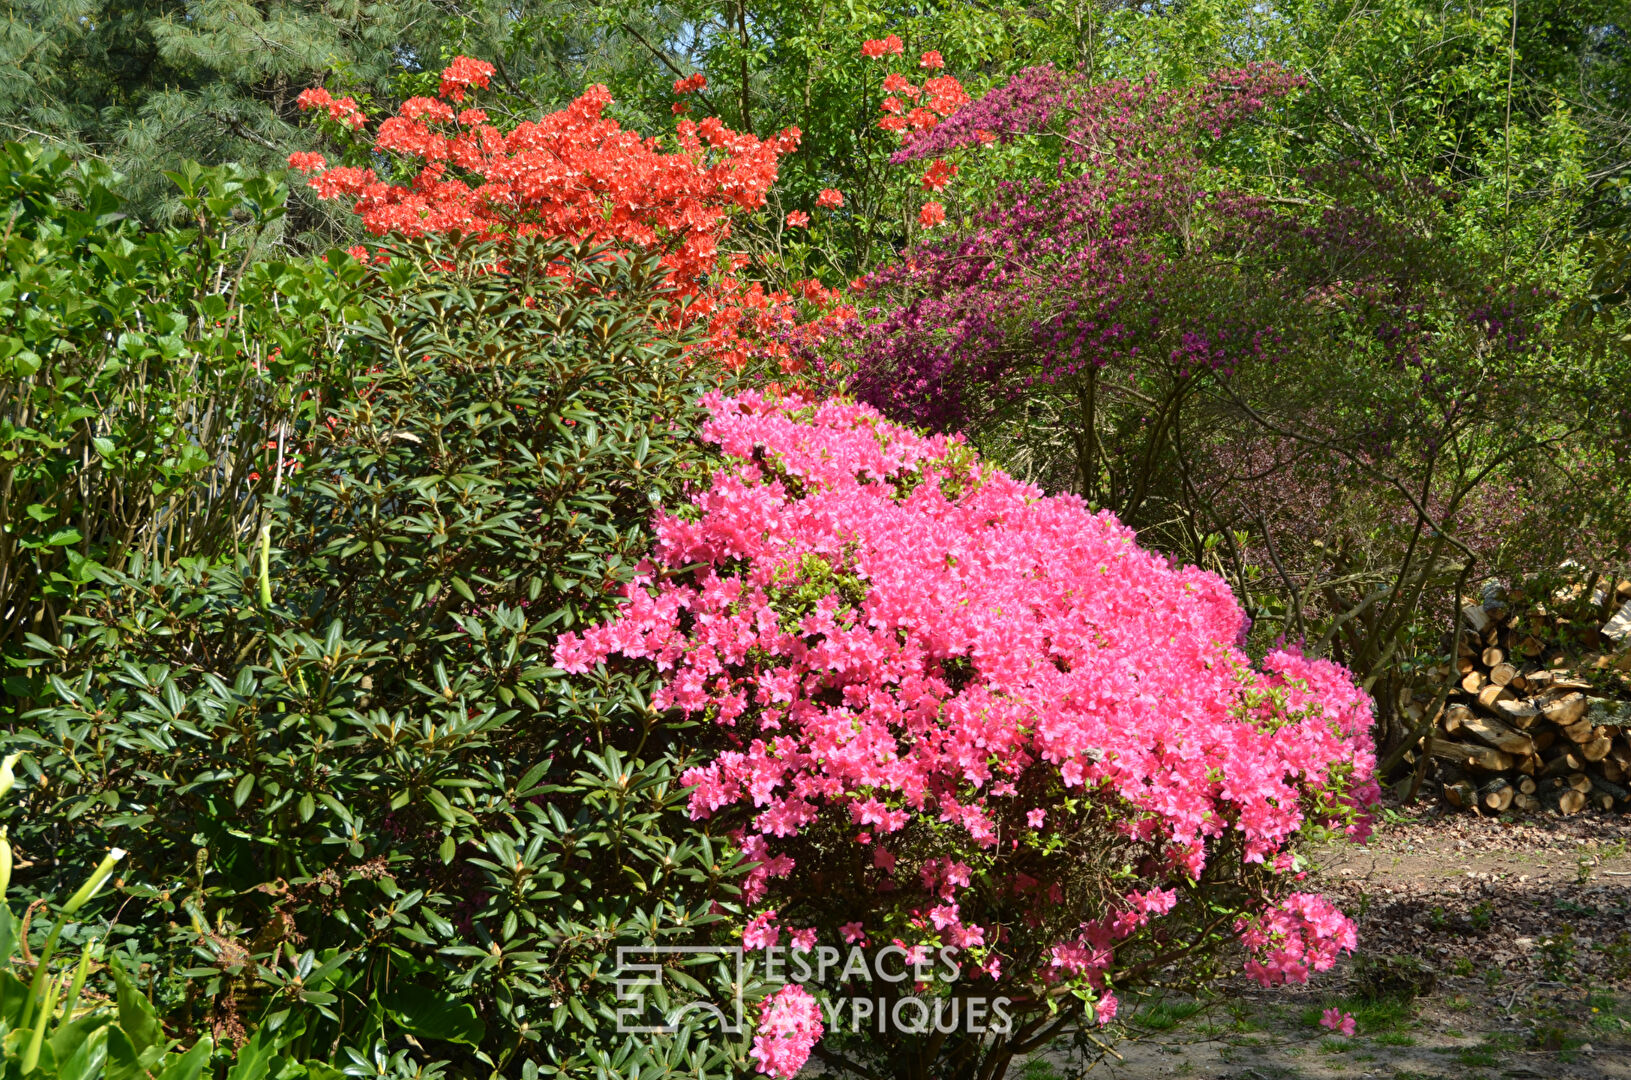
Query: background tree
[148, 84]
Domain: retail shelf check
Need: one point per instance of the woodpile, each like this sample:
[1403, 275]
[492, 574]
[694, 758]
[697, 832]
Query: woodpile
[1531, 725]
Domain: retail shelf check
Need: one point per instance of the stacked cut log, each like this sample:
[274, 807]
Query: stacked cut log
[1532, 726]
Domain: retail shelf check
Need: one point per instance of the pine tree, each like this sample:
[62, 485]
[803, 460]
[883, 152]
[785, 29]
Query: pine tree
[148, 84]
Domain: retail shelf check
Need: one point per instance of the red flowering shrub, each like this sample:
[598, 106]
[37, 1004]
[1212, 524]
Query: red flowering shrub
[956, 714]
[577, 174]
[340, 110]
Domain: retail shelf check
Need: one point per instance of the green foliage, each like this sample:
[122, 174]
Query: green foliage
[57, 1026]
[141, 375]
[36, 1040]
[376, 806]
[122, 1043]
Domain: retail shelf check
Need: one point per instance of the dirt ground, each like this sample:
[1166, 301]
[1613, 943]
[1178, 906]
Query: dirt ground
[1516, 932]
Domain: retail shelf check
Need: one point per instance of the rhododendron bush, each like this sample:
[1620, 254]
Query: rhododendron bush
[953, 713]
[578, 175]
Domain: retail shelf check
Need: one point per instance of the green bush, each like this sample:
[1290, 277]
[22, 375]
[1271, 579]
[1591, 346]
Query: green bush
[373, 804]
[141, 376]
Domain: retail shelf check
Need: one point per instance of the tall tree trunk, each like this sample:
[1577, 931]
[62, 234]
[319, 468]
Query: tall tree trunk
[742, 30]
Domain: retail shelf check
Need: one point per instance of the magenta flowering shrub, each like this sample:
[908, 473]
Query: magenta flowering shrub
[952, 713]
[1066, 273]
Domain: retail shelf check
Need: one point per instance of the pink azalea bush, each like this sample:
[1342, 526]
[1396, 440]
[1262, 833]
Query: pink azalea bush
[952, 713]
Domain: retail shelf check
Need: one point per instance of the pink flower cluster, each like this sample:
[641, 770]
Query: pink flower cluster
[1303, 933]
[1335, 1019]
[789, 1027]
[910, 653]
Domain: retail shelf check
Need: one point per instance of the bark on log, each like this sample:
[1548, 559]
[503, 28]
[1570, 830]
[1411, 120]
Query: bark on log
[1461, 795]
[1497, 795]
[1473, 754]
[1517, 713]
[1496, 734]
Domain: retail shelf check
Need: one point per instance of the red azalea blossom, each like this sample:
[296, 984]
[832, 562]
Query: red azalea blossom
[931, 215]
[946, 94]
[896, 83]
[941, 96]
[690, 83]
[931, 59]
[424, 108]
[341, 110]
[464, 72]
[307, 162]
[938, 175]
[817, 293]
[879, 48]
[830, 198]
[922, 119]
[798, 219]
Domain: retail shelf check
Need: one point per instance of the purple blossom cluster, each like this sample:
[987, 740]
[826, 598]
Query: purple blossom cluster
[1024, 105]
[1060, 275]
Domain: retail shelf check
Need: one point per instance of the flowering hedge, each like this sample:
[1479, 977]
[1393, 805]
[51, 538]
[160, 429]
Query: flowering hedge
[953, 712]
